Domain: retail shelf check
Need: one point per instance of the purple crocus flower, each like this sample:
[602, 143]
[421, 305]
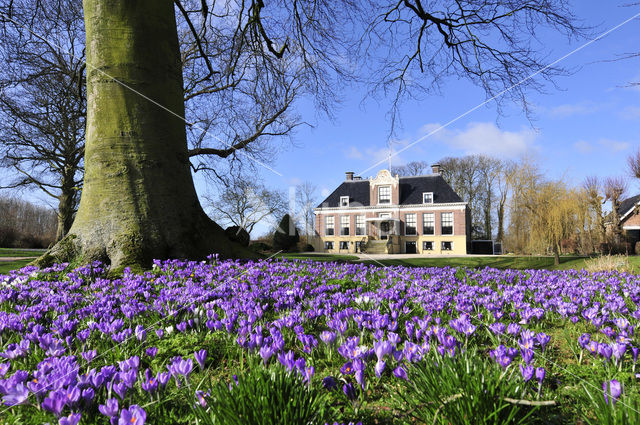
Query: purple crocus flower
[618, 350]
[182, 367]
[89, 355]
[329, 383]
[540, 374]
[399, 372]
[4, 368]
[72, 419]
[287, 360]
[349, 390]
[605, 350]
[201, 356]
[382, 348]
[347, 368]
[151, 351]
[328, 337]
[134, 415]
[527, 372]
[613, 389]
[55, 401]
[163, 378]
[379, 367]
[17, 394]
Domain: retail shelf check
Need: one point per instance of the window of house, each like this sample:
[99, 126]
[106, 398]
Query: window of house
[344, 201]
[344, 244]
[328, 245]
[427, 246]
[427, 198]
[358, 246]
[410, 224]
[328, 225]
[344, 225]
[384, 195]
[447, 223]
[360, 228]
[447, 246]
[428, 223]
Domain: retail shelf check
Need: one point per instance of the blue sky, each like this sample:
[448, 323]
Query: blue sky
[587, 125]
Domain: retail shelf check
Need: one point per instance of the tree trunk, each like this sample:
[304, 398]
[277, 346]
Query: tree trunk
[500, 235]
[66, 204]
[138, 200]
[556, 254]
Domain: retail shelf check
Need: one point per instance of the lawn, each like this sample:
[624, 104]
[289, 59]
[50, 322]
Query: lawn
[498, 262]
[16, 252]
[277, 341]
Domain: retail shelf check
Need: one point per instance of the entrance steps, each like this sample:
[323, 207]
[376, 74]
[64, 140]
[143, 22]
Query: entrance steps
[376, 247]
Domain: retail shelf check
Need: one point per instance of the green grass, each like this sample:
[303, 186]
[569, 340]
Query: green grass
[6, 267]
[498, 262]
[13, 252]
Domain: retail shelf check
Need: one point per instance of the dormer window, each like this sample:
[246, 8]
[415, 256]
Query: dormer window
[384, 195]
[344, 201]
[427, 197]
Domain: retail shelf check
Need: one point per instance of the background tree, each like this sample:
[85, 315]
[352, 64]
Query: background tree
[306, 201]
[43, 102]
[504, 179]
[593, 189]
[25, 225]
[413, 168]
[614, 190]
[245, 203]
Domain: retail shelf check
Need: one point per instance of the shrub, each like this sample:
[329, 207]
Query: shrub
[263, 397]
[308, 248]
[608, 263]
[259, 247]
[283, 239]
[238, 234]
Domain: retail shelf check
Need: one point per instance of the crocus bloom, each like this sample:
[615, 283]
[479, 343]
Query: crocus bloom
[201, 356]
[399, 372]
[17, 395]
[134, 415]
[540, 373]
[527, 372]
[614, 390]
[72, 419]
[329, 383]
[379, 367]
[349, 391]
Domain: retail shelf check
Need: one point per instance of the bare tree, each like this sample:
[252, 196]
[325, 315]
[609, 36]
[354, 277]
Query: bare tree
[245, 203]
[504, 179]
[149, 208]
[633, 161]
[593, 189]
[306, 200]
[43, 103]
[413, 168]
[614, 190]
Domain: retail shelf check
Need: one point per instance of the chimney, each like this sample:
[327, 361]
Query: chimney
[349, 175]
[435, 168]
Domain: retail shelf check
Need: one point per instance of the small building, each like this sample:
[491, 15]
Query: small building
[630, 219]
[392, 215]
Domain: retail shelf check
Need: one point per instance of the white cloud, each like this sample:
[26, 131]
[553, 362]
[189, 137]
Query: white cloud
[614, 145]
[630, 113]
[571, 109]
[486, 138]
[381, 156]
[583, 146]
[354, 153]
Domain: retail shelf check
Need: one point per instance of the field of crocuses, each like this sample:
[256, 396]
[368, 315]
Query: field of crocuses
[228, 342]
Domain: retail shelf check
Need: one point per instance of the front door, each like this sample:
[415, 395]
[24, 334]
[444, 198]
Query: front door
[410, 247]
[384, 229]
[384, 226]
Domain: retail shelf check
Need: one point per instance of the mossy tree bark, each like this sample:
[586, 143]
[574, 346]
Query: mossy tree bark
[138, 200]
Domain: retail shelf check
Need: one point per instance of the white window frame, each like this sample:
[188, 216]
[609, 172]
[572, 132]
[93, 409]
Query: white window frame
[423, 196]
[388, 200]
[344, 201]
[361, 226]
[426, 242]
[341, 243]
[415, 222]
[433, 221]
[442, 223]
[442, 246]
[327, 226]
[348, 226]
[328, 245]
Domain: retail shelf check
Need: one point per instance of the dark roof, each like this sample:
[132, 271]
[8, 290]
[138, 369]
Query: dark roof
[628, 204]
[356, 190]
[411, 189]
